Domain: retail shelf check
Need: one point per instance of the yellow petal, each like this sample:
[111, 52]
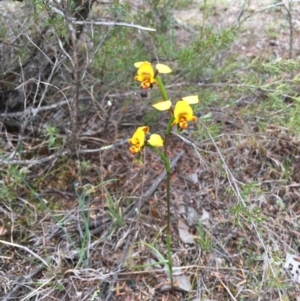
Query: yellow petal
[146, 69]
[138, 64]
[161, 68]
[191, 99]
[182, 108]
[163, 105]
[156, 140]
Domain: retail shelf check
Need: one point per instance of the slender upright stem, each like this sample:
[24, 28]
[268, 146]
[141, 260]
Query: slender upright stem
[164, 157]
[168, 130]
[161, 88]
[169, 229]
[165, 97]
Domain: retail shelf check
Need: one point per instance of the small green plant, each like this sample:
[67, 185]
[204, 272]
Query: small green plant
[245, 215]
[85, 165]
[95, 295]
[203, 238]
[11, 180]
[53, 139]
[59, 287]
[114, 210]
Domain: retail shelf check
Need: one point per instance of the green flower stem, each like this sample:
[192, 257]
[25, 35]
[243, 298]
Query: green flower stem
[165, 97]
[165, 159]
[168, 130]
[168, 230]
[162, 156]
[161, 87]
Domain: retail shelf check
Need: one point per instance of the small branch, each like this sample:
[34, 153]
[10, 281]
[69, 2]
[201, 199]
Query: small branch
[38, 48]
[76, 83]
[26, 249]
[123, 24]
[21, 280]
[61, 154]
[225, 286]
[290, 18]
[113, 24]
[33, 111]
[241, 12]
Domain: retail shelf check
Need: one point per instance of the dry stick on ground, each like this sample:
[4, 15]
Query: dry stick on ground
[64, 153]
[20, 282]
[68, 101]
[26, 249]
[241, 12]
[225, 286]
[22, 279]
[290, 18]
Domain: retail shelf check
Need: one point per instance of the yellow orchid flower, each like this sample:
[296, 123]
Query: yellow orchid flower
[156, 140]
[138, 139]
[183, 112]
[145, 74]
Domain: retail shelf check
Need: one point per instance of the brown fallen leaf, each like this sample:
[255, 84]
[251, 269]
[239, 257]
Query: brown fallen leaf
[184, 234]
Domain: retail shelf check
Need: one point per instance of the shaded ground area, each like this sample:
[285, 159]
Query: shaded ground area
[94, 228]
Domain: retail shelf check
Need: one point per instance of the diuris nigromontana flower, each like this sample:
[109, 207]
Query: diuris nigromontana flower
[183, 112]
[138, 140]
[146, 74]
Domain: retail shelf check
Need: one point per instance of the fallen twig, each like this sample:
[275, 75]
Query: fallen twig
[26, 249]
[20, 282]
[59, 155]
